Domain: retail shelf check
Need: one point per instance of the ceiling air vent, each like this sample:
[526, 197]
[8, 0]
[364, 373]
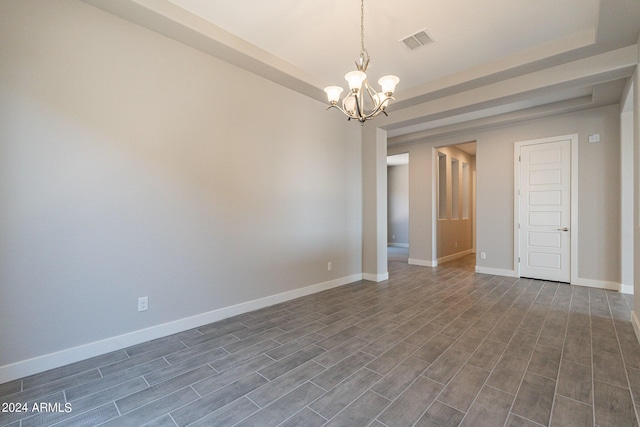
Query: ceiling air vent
[416, 40]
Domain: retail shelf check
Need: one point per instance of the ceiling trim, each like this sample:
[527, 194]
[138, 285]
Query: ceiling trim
[574, 62]
[561, 107]
[524, 62]
[613, 65]
[174, 22]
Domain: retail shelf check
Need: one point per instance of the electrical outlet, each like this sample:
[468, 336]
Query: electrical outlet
[456, 244]
[329, 266]
[483, 255]
[143, 303]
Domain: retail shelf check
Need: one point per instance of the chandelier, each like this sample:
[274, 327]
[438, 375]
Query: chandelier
[362, 102]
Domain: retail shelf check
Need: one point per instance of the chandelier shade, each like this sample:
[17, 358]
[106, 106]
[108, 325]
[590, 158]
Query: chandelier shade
[362, 102]
[388, 84]
[333, 93]
[355, 79]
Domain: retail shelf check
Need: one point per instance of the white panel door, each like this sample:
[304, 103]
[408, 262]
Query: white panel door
[545, 211]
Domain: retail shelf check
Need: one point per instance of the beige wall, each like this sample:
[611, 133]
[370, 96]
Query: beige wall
[598, 198]
[454, 234]
[131, 165]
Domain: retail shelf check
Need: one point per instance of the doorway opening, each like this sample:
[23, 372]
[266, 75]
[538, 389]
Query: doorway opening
[455, 200]
[398, 208]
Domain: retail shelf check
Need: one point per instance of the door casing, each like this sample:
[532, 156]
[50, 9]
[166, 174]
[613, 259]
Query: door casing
[574, 200]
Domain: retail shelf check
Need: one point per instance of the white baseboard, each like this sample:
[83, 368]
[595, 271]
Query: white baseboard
[496, 271]
[600, 284]
[375, 277]
[423, 263]
[454, 256]
[636, 325]
[45, 362]
[398, 245]
[626, 289]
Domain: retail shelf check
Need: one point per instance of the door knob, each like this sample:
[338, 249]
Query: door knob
[563, 229]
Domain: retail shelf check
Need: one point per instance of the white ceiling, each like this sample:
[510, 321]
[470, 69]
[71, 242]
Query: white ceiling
[323, 37]
[493, 61]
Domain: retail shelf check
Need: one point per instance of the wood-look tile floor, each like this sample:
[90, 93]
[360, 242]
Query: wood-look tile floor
[429, 347]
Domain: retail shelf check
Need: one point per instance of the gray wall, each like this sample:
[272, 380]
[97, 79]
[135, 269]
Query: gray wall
[374, 203]
[398, 207]
[131, 165]
[636, 196]
[598, 198]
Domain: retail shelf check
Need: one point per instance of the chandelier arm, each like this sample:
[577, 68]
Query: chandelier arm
[342, 111]
[359, 107]
[371, 92]
[378, 109]
[363, 117]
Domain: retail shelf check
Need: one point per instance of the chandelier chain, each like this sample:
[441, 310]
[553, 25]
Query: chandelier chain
[363, 50]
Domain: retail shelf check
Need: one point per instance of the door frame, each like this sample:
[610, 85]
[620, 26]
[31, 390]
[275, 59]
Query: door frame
[574, 200]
